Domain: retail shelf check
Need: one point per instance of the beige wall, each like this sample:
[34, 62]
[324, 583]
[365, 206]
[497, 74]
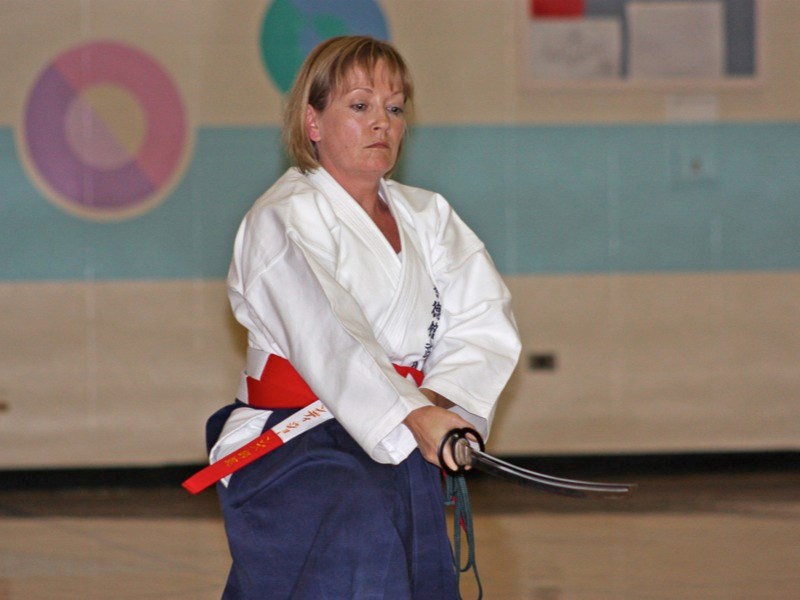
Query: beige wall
[487, 33]
[648, 363]
[125, 372]
[113, 373]
[464, 54]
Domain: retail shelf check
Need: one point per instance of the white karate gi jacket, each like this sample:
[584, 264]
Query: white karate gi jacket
[315, 281]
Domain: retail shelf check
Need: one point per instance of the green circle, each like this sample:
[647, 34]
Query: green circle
[292, 28]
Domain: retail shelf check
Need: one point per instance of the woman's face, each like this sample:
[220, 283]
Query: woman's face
[358, 134]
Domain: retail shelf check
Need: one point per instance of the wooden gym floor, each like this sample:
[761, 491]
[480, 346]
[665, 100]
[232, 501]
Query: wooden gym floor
[690, 536]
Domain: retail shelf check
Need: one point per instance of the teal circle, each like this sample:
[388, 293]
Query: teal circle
[292, 28]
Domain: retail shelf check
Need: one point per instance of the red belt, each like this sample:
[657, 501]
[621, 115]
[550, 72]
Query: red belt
[280, 387]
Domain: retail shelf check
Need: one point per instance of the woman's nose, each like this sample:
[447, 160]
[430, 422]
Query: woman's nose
[381, 120]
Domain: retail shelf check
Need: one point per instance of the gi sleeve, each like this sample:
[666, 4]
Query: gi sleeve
[477, 345]
[283, 294]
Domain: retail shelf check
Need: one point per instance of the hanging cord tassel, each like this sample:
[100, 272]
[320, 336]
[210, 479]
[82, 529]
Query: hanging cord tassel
[458, 497]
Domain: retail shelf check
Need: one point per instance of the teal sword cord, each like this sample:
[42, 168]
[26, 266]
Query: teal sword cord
[457, 496]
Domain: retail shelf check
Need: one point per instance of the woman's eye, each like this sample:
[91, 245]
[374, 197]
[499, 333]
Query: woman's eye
[396, 110]
[359, 106]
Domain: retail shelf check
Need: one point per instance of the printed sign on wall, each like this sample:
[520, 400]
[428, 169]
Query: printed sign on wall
[640, 40]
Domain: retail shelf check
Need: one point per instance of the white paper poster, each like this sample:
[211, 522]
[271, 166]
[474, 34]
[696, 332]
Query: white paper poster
[676, 39]
[575, 49]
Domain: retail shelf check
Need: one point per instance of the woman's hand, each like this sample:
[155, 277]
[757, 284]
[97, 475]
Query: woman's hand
[430, 424]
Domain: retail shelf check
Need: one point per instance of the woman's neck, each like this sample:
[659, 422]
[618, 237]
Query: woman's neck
[366, 192]
[364, 189]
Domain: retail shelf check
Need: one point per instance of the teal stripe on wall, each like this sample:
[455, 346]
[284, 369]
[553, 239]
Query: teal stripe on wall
[621, 198]
[560, 199]
[189, 235]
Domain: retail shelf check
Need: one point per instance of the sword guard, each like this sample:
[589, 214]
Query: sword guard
[459, 449]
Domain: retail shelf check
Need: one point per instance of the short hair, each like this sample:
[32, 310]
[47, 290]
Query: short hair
[324, 71]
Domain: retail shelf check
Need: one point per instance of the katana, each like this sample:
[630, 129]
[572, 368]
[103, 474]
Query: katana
[468, 451]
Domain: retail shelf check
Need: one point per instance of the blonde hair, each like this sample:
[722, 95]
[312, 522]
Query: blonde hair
[325, 70]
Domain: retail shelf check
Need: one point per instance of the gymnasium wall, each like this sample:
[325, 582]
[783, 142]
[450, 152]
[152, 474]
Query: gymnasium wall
[648, 229]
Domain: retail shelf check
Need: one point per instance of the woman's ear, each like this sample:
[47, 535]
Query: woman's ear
[312, 128]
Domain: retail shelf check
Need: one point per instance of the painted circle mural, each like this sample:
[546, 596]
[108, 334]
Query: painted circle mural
[291, 28]
[105, 131]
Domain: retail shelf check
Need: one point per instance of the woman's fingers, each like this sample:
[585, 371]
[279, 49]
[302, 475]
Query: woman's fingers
[430, 425]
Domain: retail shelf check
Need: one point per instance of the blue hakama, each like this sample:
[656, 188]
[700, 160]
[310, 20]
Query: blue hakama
[318, 519]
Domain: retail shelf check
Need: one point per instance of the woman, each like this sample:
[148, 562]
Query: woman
[352, 288]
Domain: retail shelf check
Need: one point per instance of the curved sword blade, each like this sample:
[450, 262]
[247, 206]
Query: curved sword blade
[547, 483]
[467, 450]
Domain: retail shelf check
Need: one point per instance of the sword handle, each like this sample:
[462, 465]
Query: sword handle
[461, 458]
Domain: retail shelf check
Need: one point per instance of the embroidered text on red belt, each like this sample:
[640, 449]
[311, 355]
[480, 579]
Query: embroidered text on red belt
[287, 382]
